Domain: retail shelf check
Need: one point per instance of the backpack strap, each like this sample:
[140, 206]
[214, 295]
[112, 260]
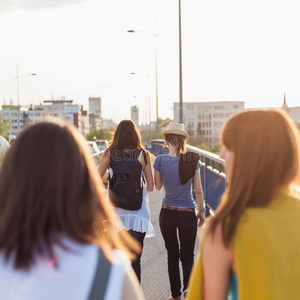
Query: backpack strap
[140, 156]
[142, 173]
[100, 278]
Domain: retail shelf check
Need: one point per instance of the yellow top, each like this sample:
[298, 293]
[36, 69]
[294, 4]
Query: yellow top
[266, 251]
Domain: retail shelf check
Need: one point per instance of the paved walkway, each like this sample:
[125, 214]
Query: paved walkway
[155, 280]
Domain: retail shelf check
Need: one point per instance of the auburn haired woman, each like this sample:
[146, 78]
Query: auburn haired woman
[251, 246]
[176, 171]
[55, 224]
[126, 148]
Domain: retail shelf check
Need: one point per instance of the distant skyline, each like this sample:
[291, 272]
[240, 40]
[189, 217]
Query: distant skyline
[231, 50]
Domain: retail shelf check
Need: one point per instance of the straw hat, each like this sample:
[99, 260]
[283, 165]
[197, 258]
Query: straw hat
[175, 128]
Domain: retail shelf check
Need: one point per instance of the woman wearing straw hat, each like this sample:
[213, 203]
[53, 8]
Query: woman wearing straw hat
[176, 171]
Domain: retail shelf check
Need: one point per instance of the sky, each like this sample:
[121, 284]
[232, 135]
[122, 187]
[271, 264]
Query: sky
[231, 51]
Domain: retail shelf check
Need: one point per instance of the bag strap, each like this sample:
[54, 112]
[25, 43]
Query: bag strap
[142, 173]
[140, 156]
[100, 278]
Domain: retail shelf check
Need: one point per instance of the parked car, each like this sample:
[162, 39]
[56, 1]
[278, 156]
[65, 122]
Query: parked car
[95, 151]
[93, 147]
[102, 144]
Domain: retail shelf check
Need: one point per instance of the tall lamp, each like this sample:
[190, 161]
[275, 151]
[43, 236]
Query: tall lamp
[156, 82]
[149, 125]
[149, 110]
[19, 76]
[180, 66]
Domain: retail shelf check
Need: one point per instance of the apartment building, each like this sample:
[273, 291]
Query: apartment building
[95, 106]
[294, 112]
[64, 109]
[134, 114]
[95, 111]
[207, 118]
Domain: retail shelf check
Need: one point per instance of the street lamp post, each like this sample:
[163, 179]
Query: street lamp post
[156, 81]
[18, 76]
[148, 77]
[149, 125]
[180, 66]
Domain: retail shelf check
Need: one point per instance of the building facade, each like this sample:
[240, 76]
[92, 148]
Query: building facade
[206, 119]
[294, 112]
[134, 114]
[63, 109]
[95, 112]
[95, 106]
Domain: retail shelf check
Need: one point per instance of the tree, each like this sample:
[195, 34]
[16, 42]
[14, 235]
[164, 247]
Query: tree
[4, 126]
[101, 134]
[217, 149]
[144, 132]
[161, 124]
[164, 123]
[297, 124]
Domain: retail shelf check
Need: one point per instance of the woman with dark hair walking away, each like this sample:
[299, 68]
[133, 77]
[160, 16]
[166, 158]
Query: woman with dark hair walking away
[176, 171]
[58, 237]
[126, 154]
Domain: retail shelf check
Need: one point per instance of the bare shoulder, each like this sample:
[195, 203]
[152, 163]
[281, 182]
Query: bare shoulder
[106, 153]
[105, 158]
[146, 157]
[213, 237]
[216, 264]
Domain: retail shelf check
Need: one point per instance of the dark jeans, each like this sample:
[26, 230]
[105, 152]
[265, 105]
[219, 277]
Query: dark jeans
[180, 225]
[136, 264]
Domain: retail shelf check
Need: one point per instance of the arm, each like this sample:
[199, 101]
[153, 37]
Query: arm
[131, 287]
[148, 175]
[104, 163]
[217, 262]
[158, 180]
[199, 197]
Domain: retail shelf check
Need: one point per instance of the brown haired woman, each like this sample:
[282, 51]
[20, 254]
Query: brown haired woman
[252, 244]
[176, 171]
[56, 229]
[126, 143]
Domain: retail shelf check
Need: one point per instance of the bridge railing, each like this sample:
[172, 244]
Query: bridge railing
[211, 170]
[97, 156]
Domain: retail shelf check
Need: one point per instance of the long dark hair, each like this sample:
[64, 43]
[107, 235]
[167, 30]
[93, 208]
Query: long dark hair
[127, 137]
[49, 188]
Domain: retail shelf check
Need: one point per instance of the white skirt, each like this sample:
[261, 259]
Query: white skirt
[137, 220]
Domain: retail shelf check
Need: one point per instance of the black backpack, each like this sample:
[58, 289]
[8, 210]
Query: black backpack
[126, 182]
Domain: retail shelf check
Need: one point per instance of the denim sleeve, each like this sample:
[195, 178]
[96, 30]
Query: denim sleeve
[156, 164]
[198, 165]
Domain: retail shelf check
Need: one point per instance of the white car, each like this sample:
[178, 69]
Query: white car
[102, 144]
[93, 147]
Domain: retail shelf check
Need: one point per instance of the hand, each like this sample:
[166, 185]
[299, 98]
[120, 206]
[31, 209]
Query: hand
[201, 217]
